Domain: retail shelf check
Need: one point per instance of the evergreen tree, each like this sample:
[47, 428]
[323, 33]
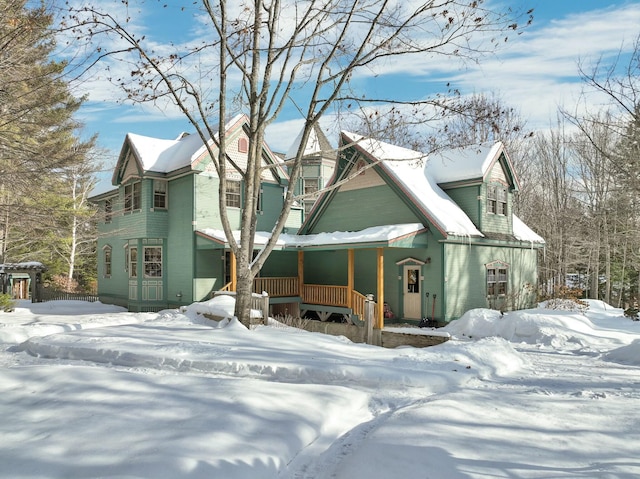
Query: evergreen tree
[38, 134]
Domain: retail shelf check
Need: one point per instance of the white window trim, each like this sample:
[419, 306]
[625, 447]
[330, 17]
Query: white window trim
[107, 249]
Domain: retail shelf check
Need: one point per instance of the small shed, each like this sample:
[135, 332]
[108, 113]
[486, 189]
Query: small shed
[22, 280]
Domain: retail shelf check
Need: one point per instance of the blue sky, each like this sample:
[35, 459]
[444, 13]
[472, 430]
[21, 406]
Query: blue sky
[536, 72]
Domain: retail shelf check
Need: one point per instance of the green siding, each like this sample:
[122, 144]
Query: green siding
[494, 223]
[179, 251]
[156, 220]
[281, 264]
[325, 267]
[465, 276]
[113, 289]
[358, 209]
[208, 274]
[206, 212]
[272, 202]
[467, 199]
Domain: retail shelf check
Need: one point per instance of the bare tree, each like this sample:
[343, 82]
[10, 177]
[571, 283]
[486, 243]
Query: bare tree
[262, 54]
[610, 162]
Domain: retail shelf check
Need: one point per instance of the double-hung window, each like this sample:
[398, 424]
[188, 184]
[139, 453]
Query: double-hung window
[501, 197]
[233, 198]
[132, 197]
[309, 189]
[497, 280]
[160, 194]
[153, 262]
[497, 200]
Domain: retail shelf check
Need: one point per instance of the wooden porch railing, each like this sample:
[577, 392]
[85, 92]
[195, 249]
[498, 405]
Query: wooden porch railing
[328, 295]
[325, 294]
[357, 304]
[277, 287]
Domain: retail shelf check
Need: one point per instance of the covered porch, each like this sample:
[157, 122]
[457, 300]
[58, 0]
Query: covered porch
[321, 298]
[308, 291]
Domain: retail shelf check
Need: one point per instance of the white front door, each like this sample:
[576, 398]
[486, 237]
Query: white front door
[412, 293]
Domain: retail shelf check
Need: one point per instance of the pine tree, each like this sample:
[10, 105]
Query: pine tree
[37, 128]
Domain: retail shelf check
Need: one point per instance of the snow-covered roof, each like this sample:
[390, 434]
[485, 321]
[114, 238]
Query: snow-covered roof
[523, 233]
[26, 265]
[164, 156]
[465, 163]
[375, 234]
[317, 143]
[408, 169]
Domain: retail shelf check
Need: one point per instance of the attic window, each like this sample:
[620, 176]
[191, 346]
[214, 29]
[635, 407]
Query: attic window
[497, 200]
[243, 145]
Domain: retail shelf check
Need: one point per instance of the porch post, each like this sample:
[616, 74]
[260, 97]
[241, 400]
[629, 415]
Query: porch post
[234, 276]
[380, 261]
[350, 273]
[300, 273]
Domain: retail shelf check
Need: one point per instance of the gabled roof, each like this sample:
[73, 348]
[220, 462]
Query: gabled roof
[407, 169]
[164, 156]
[155, 155]
[317, 144]
[467, 163]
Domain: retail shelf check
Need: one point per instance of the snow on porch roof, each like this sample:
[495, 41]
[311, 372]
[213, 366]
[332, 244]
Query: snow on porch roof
[375, 234]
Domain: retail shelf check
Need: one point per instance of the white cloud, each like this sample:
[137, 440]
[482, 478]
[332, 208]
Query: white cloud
[534, 72]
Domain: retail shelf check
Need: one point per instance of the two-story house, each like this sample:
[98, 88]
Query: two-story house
[150, 256]
[458, 244]
[430, 237]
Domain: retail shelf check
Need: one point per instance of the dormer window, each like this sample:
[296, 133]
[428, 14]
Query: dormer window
[497, 200]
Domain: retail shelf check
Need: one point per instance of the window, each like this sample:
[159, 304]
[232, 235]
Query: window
[413, 280]
[502, 201]
[107, 261]
[496, 281]
[153, 262]
[233, 194]
[310, 186]
[159, 194]
[133, 262]
[132, 197]
[108, 210]
[497, 200]
[243, 145]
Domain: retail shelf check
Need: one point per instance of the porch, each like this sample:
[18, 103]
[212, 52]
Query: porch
[323, 299]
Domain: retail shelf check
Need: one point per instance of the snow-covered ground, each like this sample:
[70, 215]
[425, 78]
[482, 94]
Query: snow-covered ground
[92, 391]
